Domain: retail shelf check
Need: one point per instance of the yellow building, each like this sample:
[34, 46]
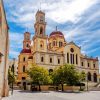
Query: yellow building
[4, 49]
[52, 51]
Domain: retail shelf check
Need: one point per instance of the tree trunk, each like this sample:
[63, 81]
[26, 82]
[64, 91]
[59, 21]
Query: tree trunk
[62, 87]
[80, 87]
[39, 87]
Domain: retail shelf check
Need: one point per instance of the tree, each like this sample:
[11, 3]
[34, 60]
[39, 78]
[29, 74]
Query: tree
[11, 77]
[58, 76]
[39, 75]
[65, 74]
[82, 76]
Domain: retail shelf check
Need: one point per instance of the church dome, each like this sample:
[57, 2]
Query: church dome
[56, 33]
[26, 51]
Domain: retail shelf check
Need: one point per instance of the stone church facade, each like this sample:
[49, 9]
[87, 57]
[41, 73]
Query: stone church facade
[4, 50]
[52, 51]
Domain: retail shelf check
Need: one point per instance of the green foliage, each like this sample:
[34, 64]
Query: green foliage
[39, 75]
[65, 74]
[82, 76]
[11, 78]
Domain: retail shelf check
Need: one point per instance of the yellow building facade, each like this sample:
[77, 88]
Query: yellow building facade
[52, 51]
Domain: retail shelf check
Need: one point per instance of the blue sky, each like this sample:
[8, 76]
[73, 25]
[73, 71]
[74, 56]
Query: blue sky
[79, 20]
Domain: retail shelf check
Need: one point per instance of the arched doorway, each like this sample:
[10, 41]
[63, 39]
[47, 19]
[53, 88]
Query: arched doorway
[95, 77]
[24, 85]
[89, 76]
[50, 71]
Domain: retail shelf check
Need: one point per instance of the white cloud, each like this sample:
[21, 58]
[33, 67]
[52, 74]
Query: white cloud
[60, 11]
[16, 42]
[22, 13]
[65, 11]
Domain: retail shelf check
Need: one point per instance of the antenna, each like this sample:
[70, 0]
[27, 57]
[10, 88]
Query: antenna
[40, 5]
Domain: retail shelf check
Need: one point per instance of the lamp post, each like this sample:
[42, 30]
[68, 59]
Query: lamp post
[13, 74]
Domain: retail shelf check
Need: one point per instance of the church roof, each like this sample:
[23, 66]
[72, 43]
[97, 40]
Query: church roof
[40, 11]
[26, 51]
[73, 44]
[91, 58]
[56, 33]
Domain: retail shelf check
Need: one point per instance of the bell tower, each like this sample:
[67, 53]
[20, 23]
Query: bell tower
[40, 37]
[40, 24]
[27, 41]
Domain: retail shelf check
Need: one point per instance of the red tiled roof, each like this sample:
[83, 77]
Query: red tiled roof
[94, 59]
[26, 51]
[56, 33]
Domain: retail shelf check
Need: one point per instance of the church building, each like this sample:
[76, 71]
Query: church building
[52, 51]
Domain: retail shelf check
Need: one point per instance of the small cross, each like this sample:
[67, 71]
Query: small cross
[56, 28]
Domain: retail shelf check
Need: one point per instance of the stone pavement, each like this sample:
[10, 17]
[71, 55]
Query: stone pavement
[22, 95]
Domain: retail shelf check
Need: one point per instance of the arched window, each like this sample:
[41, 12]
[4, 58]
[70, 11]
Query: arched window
[71, 58]
[94, 65]
[67, 57]
[76, 59]
[54, 43]
[58, 61]
[95, 77]
[41, 30]
[42, 59]
[60, 44]
[41, 44]
[82, 64]
[89, 76]
[88, 64]
[24, 59]
[27, 45]
[50, 60]
[23, 68]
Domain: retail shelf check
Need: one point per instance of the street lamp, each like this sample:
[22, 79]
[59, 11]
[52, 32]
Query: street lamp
[13, 74]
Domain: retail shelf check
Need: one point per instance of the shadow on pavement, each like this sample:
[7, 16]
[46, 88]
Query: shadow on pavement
[25, 91]
[77, 92]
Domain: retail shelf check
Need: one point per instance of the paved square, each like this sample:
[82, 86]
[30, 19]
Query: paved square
[21, 95]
